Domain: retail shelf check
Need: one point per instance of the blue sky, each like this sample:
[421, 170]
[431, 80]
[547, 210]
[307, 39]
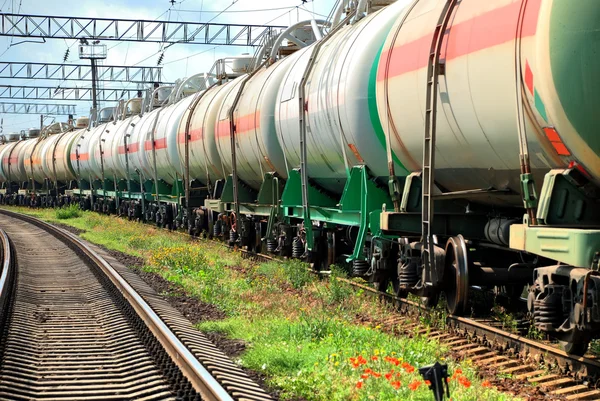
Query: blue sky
[179, 61]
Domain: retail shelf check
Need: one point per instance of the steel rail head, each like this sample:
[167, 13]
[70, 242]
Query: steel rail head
[192, 369]
[7, 279]
[7, 267]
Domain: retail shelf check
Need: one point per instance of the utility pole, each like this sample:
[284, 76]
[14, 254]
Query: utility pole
[93, 52]
[41, 122]
[94, 80]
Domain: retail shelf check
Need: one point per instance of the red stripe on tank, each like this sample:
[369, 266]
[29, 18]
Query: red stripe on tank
[249, 122]
[131, 148]
[195, 135]
[158, 144]
[478, 33]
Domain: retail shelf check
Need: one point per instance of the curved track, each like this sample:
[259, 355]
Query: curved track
[74, 329]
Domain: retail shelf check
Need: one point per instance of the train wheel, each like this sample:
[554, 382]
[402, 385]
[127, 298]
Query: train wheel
[456, 275]
[430, 301]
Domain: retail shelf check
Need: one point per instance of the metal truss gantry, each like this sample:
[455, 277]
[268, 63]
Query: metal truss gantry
[64, 93]
[79, 72]
[37, 108]
[57, 27]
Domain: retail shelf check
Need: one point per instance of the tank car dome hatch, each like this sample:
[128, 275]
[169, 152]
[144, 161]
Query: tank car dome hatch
[241, 64]
[56, 128]
[82, 122]
[304, 34]
[134, 106]
[163, 93]
[33, 133]
[106, 114]
[13, 136]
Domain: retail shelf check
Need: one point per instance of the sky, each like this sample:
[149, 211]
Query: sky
[180, 60]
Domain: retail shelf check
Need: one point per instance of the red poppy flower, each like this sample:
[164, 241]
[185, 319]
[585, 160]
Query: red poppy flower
[427, 383]
[389, 375]
[415, 385]
[396, 384]
[486, 383]
[359, 385]
[377, 375]
[374, 358]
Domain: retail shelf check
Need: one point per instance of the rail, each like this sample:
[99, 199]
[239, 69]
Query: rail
[192, 369]
[477, 331]
[7, 277]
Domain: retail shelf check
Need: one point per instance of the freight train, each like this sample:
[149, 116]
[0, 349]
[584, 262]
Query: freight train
[432, 146]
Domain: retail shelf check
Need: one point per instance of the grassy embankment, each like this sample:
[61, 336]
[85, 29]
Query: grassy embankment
[311, 337]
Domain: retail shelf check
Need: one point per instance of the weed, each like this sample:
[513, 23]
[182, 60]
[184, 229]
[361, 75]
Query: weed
[298, 273]
[68, 212]
[338, 291]
[508, 320]
[534, 333]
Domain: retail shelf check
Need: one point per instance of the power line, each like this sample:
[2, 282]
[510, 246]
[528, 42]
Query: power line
[289, 9]
[312, 12]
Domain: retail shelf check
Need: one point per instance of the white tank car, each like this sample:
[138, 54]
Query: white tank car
[340, 131]
[110, 133]
[169, 164]
[139, 158]
[33, 164]
[204, 160]
[56, 156]
[115, 162]
[3, 153]
[87, 146]
[15, 164]
[258, 149]
[477, 143]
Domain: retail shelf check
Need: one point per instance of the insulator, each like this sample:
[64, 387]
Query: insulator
[271, 245]
[360, 268]
[297, 248]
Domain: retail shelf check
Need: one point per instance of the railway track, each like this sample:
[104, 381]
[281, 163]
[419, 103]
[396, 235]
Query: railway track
[74, 327]
[563, 376]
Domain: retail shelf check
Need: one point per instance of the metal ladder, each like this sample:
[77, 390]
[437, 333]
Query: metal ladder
[434, 70]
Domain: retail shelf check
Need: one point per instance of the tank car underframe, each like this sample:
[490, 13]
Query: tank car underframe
[35, 194]
[563, 246]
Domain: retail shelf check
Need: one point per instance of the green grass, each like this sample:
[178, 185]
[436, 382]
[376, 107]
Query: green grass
[67, 212]
[304, 332]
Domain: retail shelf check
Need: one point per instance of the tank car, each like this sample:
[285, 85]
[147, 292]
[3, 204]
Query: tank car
[430, 146]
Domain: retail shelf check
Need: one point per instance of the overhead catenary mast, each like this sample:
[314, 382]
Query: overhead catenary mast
[93, 52]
